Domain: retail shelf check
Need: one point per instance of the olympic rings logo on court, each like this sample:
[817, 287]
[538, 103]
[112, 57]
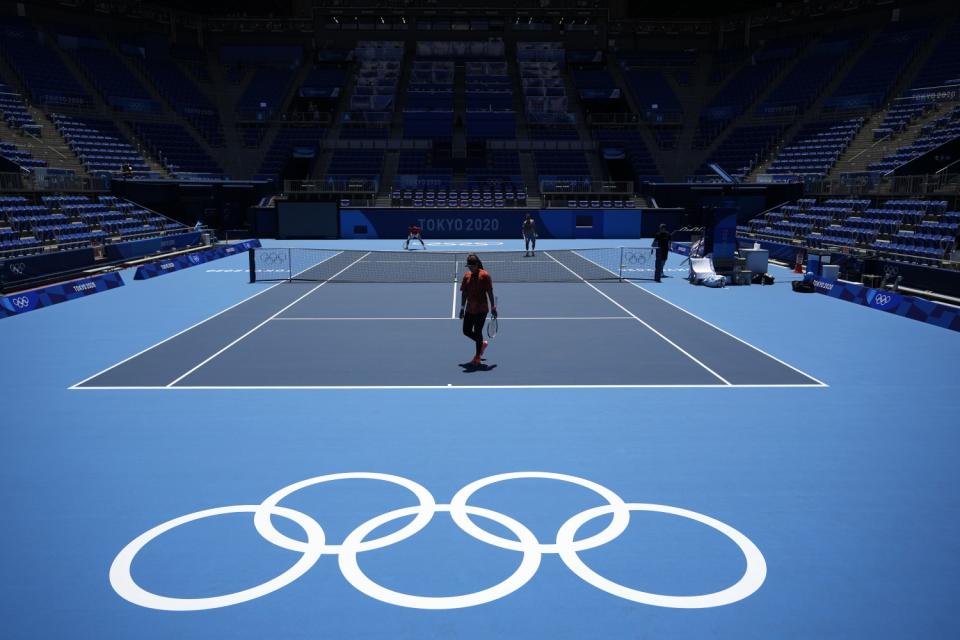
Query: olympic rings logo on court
[565, 545]
[20, 302]
[273, 258]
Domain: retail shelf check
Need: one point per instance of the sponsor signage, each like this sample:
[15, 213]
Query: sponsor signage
[191, 260]
[17, 303]
[920, 309]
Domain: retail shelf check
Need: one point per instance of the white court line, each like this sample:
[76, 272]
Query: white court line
[140, 353]
[444, 318]
[625, 310]
[710, 324]
[267, 320]
[454, 387]
[453, 309]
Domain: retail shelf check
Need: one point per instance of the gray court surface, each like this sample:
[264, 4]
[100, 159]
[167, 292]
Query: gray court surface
[337, 335]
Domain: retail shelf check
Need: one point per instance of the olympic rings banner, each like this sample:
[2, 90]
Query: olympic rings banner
[17, 303]
[566, 545]
[186, 261]
[906, 306]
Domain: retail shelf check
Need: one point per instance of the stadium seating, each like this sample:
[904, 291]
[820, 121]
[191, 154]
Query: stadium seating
[118, 87]
[39, 68]
[541, 67]
[474, 143]
[488, 97]
[739, 92]
[290, 141]
[176, 149]
[14, 111]
[428, 112]
[932, 135]
[184, 97]
[868, 84]
[356, 163]
[264, 93]
[910, 230]
[744, 148]
[942, 66]
[479, 197]
[651, 91]
[805, 82]
[53, 222]
[615, 143]
[815, 149]
[20, 156]
[100, 146]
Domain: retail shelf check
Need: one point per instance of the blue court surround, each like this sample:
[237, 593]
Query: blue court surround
[847, 490]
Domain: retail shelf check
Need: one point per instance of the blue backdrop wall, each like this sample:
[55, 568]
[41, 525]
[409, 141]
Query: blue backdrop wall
[501, 223]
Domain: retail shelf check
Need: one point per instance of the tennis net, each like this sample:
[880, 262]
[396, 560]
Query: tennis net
[560, 265]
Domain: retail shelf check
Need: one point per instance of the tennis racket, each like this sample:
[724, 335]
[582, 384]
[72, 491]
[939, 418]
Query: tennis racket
[494, 325]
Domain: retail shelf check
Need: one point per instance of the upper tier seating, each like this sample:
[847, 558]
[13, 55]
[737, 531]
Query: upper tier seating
[117, 85]
[15, 113]
[176, 149]
[20, 156]
[870, 81]
[804, 83]
[184, 97]
[815, 149]
[932, 135]
[652, 93]
[290, 141]
[39, 67]
[100, 146]
[744, 149]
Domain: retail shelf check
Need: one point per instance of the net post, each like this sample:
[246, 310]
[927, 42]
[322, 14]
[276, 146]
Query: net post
[620, 268]
[253, 265]
[290, 264]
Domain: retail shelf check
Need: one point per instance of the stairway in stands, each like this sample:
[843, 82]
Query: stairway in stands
[864, 149]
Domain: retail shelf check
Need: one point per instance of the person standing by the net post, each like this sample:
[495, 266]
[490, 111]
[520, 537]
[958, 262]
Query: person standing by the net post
[661, 240]
[475, 289]
[529, 230]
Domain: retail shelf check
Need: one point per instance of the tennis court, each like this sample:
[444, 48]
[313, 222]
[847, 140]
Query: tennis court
[286, 459]
[383, 319]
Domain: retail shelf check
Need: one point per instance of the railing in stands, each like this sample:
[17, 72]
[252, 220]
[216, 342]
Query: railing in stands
[331, 186]
[53, 182]
[576, 185]
[868, 183]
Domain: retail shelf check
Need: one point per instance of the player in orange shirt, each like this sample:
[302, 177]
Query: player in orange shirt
[475, 289]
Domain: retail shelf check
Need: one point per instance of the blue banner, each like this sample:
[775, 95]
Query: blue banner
[17, 303]
[920, 309]
[487, 223]
[25, 268]
[139, 248]
[177, 263]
